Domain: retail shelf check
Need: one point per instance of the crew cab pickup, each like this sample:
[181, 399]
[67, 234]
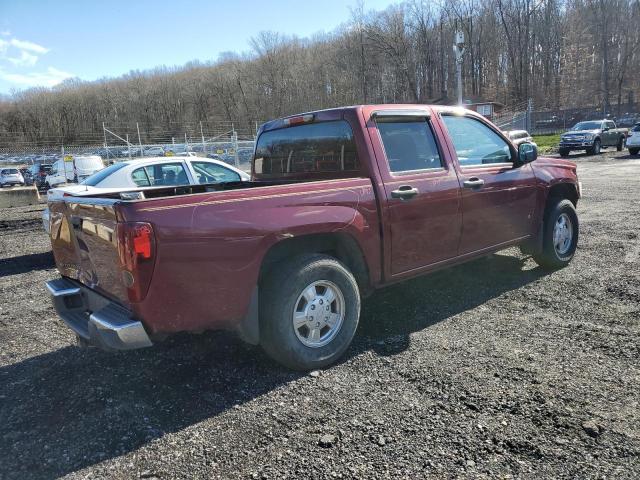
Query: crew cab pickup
[590, 136]
[340, 202]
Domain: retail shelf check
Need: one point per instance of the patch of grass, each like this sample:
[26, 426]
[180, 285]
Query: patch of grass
[547, 143]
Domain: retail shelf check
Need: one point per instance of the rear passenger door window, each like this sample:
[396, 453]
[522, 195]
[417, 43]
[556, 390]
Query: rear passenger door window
[475, 143]
[409, 144]
[165, 174]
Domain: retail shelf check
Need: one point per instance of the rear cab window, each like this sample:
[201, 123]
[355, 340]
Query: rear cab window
[317, 150]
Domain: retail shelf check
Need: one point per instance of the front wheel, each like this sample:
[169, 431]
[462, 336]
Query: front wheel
[633, 151]
[595, 149]
[560, 235]
[564, 152]
[309, 311]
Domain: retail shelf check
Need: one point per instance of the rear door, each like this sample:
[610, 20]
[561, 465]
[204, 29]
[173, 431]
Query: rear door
[612, 134]
[422, 194]
[498, 199]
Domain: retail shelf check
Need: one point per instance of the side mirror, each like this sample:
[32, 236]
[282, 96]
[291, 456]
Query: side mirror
[527, 153]
[605, 129]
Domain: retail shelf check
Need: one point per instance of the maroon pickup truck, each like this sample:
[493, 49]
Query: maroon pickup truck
[340, 202]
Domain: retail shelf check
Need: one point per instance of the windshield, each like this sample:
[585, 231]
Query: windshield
[97, 177]
[587, 126]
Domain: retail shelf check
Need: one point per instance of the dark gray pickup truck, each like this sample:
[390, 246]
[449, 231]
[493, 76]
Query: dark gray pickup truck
[591, 136]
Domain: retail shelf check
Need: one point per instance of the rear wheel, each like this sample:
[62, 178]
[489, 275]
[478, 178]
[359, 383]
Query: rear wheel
[560, 235]
[309, 311]
[620, 144]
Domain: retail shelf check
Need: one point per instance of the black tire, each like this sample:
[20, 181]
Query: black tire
[279, 297]
[550, 257]
[564, 152]
[633, 151]
[595, 149]
[620, 144]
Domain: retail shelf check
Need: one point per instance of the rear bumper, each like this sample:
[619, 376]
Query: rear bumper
[96, 319]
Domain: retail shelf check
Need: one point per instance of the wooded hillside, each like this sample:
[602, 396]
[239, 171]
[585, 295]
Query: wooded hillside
[558, 53]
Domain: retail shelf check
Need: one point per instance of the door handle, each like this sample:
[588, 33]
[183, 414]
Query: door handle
[474, 183]
[404, 192]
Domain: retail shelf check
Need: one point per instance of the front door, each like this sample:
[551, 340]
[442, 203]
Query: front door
[498, 198]
[422, 194]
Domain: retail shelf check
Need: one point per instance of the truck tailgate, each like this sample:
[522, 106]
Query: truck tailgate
[84, 239]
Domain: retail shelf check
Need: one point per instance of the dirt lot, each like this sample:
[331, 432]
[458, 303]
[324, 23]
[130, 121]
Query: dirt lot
[494, 369]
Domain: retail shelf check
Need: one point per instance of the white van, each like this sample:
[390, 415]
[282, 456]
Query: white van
[73, 169]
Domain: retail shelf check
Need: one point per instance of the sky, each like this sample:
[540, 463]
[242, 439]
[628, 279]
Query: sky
[44, 42]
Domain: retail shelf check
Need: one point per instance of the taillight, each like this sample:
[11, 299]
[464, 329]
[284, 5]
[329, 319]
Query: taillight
[136, 246]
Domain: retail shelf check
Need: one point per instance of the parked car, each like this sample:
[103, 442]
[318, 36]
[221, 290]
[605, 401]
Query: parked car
[628, 120]
[591, 136]
[39, 172]
[341, 202]
[148, 172]
[73, 169]
[10, 177]
[520, 136]
[633, 139]
[156, 151]
[26, 174]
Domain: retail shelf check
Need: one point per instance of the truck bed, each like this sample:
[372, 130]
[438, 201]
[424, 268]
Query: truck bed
[209, 240]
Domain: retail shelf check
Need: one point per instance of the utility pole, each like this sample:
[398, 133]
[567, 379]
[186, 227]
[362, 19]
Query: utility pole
[458, 49]
[202, 136]
[128, 147]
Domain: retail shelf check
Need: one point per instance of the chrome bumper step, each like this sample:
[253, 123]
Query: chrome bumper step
[96, 319]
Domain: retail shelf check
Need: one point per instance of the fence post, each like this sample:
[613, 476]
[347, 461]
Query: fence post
[202, 136]
[236, 158]
[105, 140]
[529, 114]
[139, 140]
[128, 147]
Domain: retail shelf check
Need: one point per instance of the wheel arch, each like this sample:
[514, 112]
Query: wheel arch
[341, 246]
[566, 190]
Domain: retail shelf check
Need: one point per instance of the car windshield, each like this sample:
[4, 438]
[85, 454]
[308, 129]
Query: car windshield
[97, 177]
[587, 126]
[10, 171]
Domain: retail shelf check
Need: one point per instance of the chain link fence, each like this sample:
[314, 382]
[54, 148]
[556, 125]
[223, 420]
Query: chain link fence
[222, 140]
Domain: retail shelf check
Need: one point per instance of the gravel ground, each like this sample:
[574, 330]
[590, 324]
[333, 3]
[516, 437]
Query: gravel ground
[494, 369]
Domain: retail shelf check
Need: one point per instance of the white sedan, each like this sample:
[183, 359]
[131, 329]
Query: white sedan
[149, 172]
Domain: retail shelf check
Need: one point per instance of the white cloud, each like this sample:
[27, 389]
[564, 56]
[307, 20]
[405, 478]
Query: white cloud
[49, 78]
[18, 56]
[5, 33]
[21, 52]
[25, 59]
[24, 45]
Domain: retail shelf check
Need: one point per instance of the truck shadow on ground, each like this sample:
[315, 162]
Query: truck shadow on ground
[26, 263]
[69, 409]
